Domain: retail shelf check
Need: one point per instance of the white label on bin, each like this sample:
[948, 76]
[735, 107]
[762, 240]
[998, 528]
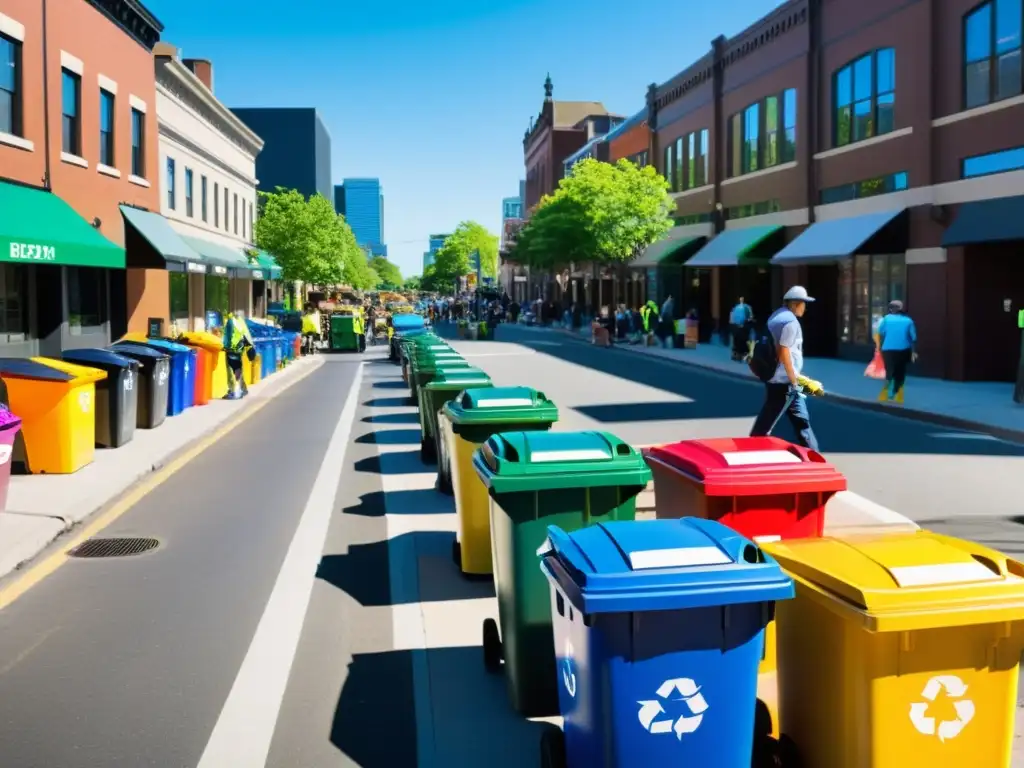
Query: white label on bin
[568, 671]
[767, 539]
[746, 458]
[945, 573]
[580, 454]
[652, 712]
[162, 378]
[5, 453]
[129, 382]
[85, 401]
[678, 557]
[955, 690]
[505, 402]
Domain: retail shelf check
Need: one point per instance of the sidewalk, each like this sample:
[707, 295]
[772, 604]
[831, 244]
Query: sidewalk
[41, 507]
[986, 406]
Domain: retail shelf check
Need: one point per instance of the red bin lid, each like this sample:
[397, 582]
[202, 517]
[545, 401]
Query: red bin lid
[748, 466]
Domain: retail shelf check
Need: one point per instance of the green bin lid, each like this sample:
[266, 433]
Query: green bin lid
[467, 376]
[501, 406]
[512, 462]
[436, 363]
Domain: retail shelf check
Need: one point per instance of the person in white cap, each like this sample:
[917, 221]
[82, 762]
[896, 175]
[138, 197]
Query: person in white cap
[783, 390]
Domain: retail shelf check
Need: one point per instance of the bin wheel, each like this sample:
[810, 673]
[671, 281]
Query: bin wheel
[493, 652]
[457, 554]
[444, 483]
[427, 453]
[552, 748]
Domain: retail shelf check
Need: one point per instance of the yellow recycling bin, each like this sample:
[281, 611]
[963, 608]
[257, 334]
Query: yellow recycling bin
[899, 650]
[213, 345]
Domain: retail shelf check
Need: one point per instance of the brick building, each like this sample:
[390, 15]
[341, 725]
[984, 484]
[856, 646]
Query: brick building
[77, 139]
[868, 151]
[631, 140]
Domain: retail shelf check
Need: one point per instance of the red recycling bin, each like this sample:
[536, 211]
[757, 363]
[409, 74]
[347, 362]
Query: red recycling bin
[762, 487]
[10, 425]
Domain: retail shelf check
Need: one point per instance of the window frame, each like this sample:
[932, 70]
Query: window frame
[189, 178]
[18, 94]
[993, 55]
[202, 197]
[108, 148]
[227, 199]
[102, 297]
[873, 98]
[75, 146]
[234, 212]
[172, 191]
[848, 316]
[216, 204]
[739, 143]
[19, 287]
[138, 168]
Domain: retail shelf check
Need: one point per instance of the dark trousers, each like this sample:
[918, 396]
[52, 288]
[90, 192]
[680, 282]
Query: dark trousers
[740, 334]
[896, 362]
[235, 369]
[777, 401]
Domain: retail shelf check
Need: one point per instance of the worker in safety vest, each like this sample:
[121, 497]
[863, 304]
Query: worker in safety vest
[310, 330]
[648, 312]
[237, 342]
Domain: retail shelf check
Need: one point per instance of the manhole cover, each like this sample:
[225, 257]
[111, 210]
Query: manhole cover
[115, 547]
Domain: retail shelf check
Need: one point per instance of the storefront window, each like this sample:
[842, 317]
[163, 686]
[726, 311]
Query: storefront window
[865, 289]
[179, 300]
[87, 300]
[217, 295]
[14, 320]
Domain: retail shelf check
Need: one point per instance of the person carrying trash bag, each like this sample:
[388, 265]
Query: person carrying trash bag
[237, 342]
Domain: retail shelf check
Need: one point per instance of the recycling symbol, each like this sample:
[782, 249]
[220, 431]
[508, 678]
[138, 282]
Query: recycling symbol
[686, 691]
[5, 453]
[955, 689]
[163, 375]
[568, 675]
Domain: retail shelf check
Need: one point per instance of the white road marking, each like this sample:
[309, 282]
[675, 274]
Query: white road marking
[965, 436]
[242, 735]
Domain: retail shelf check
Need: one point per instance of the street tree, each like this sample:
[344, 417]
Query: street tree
[414, 283]
[453, 258]
[390, 275]
[558, 232]
[358, 272]
[308, 240]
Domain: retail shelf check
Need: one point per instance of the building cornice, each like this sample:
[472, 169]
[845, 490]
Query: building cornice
[180, 138]
[133, 18]
[179, 82]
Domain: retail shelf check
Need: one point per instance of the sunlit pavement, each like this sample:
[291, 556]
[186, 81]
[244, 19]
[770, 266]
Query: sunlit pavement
[303, 609]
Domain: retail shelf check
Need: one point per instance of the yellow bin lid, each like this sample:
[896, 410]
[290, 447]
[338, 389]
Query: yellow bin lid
[907, 581]
[82, 374]
[202, 339]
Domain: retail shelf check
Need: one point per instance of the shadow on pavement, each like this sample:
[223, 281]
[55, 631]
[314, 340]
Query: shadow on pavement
[387, 402]
[415, 502]
[473, 725]
[397, 463]
[363, 572]
[393, 418]
[391, 437]
[390, 384]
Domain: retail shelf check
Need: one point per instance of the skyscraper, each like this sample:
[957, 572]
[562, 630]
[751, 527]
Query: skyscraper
[296, 151]
[361, 202]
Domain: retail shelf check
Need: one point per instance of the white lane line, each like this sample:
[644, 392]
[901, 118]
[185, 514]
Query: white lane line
[965, 436]
[242, 735]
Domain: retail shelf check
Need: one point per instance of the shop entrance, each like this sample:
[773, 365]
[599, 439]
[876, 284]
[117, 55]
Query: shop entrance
[993, 295]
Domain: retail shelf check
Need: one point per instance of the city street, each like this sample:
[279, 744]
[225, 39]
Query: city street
[302, 610]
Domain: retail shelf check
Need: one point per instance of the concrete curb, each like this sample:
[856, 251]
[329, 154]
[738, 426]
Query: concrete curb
[911, 414]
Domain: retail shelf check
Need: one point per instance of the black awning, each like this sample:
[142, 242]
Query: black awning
[987, 221]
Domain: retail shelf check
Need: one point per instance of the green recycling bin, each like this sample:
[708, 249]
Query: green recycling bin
[343, 333]
[424, 367]
[465, 424]
[537, 479]
[407, 349]
[447, 385]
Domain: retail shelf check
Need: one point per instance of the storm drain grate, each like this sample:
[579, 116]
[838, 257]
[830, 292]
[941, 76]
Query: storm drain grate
[113, 547]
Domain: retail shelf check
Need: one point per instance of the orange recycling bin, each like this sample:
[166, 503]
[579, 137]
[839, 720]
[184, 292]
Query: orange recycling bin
[214, 371]
[57, 405]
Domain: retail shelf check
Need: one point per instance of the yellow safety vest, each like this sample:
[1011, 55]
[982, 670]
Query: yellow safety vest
[239, 333]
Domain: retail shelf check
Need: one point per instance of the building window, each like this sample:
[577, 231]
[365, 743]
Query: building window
[227, 224]
[71, 108]
[751, 138]
[252, 236]
[789, 125]
[753, 209]
[217, 295]
[14, 292]
[170, 183]
[180, 314]
[761, 136]
[667, 170]
[10, 86]
[87, 300]
[107, 129]
[216, 204]
[880, 185]
[138, 144]
[188, 192]
[234, 211]
[867, 285]
[202, 197]
[864, 98]
[994, 162]
[678, 167]
[992, 52]
[693, 218]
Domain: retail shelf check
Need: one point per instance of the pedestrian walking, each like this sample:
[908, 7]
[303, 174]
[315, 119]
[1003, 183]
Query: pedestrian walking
[667, 322]
[778, 360]
[896, 338]
[740, 319]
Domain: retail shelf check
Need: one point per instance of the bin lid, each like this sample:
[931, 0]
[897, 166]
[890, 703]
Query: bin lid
[8, 420]
[502, 405]
[80, 374]
[204, 340]
[21, 368]
[103, 357]
[406, 321]
[745, 466]
[447, 378]
[168, 346]
[906, 581]
[659, 565]
[139, 351]
[512, 462]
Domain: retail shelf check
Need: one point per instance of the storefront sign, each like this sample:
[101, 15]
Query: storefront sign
[199, 269]
[32, 252]
[220, 270]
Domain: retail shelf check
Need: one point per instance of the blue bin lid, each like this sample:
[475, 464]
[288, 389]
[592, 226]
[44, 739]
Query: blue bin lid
[21, 368]
[170, 346]
[138, 350]
[102, 357]
[660, 565]
[407, 322]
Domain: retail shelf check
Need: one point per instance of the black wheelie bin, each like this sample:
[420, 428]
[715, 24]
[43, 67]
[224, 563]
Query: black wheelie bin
[153, 382]
[117, 396]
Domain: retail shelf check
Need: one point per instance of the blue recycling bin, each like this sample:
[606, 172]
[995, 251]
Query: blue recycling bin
[659, 631]
[182, 392]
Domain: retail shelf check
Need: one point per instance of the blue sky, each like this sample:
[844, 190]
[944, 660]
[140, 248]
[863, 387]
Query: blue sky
[434, 98]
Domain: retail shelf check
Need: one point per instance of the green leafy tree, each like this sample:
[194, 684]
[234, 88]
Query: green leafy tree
[390, 275]
[307, 238]
[358, 272]
[432, 281]
[414, 283]
[453, 258]
[558, 232]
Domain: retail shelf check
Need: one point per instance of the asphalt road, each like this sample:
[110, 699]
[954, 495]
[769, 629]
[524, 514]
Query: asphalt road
[263, 629]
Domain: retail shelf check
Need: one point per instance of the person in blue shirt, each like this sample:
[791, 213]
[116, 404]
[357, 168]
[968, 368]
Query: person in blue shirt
[739, 321]
[896, 339]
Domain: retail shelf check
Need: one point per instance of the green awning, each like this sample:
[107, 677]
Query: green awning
[157, 231]
[987, 221]
[667, 250]
[834, 239]
[38, 227]
[735, 247]
[266, 265]
[221, 258]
